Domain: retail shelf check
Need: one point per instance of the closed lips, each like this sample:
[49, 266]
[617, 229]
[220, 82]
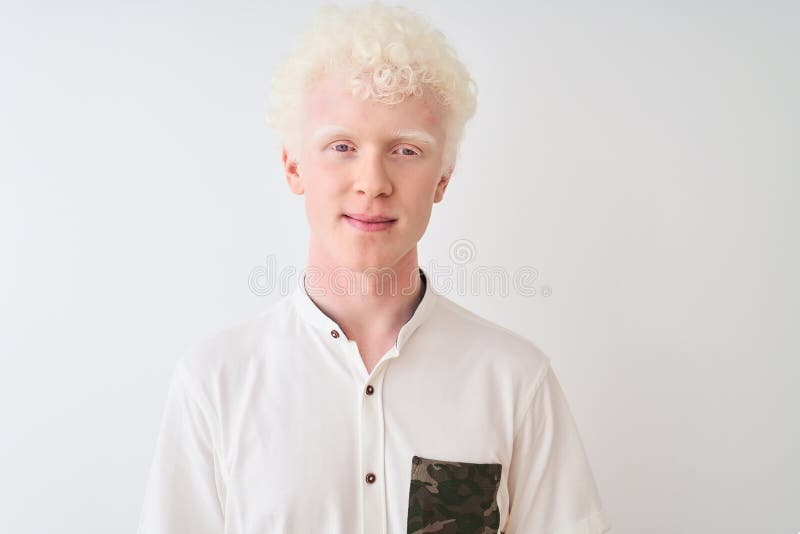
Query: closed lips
[369, 218]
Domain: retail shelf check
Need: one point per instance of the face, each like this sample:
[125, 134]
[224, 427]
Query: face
[358, 159]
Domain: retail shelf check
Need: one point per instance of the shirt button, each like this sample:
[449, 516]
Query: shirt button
[334, 333]
[370, 390]
[370, 478]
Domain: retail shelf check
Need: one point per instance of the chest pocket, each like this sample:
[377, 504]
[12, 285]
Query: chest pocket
[449, 497]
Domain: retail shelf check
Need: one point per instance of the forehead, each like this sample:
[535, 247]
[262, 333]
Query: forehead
[330, 101]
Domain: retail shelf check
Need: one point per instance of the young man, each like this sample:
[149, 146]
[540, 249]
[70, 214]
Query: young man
[347, 407]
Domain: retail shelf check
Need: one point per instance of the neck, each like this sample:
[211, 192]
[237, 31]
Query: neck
[369, 304]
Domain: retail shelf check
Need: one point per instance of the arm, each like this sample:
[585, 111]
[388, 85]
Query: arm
[185, 491]
[551, 485]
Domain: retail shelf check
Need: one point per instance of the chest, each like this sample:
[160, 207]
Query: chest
[371, 351]
[326, 456]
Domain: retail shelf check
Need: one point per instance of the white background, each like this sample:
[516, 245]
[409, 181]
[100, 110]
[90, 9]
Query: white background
[643, 158]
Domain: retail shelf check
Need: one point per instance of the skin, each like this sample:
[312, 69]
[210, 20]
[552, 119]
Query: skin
[367, 282]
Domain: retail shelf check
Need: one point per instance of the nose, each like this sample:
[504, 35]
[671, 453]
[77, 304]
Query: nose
[372, 178]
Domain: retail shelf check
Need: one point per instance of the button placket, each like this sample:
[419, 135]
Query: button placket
[372, 455]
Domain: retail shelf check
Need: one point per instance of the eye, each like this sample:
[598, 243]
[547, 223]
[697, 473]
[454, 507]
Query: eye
[341, 147]
[408, 151]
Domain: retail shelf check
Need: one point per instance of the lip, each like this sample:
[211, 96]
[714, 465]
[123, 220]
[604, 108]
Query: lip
[370, 218]
[376, 226]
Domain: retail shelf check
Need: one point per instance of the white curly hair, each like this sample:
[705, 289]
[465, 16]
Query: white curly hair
[388, 53]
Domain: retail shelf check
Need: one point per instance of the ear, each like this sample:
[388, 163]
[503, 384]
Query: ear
[444, 181]
[292, 175]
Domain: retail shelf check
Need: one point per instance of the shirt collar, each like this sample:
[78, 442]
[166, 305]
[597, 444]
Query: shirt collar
[309, 312]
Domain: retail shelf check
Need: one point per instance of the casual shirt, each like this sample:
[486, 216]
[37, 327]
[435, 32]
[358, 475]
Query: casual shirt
[275, 426]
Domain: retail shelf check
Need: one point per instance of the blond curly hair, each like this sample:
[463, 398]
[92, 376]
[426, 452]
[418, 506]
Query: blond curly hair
[388, 53]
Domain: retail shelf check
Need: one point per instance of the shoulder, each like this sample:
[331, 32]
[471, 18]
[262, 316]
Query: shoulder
[229, 351]
[471, 333]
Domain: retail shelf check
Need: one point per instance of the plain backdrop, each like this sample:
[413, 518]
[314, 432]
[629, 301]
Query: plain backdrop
[641, 157]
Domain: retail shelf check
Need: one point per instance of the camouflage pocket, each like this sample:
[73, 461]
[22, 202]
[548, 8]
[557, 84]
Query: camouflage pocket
[453, 497]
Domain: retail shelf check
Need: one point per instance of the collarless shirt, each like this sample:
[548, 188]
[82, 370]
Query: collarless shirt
[274, 426]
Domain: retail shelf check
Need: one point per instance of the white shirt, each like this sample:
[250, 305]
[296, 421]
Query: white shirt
[275, 426]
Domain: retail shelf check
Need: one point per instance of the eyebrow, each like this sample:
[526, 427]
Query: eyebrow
[331, 130]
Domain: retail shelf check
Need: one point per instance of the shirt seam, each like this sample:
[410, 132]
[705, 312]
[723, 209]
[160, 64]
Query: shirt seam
[599, 518]
[188, 386]
[537, 385]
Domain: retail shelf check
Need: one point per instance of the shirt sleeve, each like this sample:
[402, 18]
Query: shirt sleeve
[185, 490]
[551, 486]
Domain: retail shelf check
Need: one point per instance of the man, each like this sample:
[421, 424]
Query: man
[346, 407]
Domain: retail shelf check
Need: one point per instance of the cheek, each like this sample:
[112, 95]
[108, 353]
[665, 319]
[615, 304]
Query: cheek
[325, 176]
[319, 172]
[321, 196]
[325, 166]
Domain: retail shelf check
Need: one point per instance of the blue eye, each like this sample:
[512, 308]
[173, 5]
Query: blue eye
[413, 152]
[347, 147]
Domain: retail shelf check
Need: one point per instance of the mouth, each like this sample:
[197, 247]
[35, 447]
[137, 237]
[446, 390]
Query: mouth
[369, 218]
[368, 223]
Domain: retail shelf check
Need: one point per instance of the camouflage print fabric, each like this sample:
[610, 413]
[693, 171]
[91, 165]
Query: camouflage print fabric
[448, 497]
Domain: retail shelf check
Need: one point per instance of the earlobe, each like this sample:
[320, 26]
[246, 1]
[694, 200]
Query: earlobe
[293, 178]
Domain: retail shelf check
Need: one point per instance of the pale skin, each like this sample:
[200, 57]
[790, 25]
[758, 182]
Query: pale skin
[390, 161]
